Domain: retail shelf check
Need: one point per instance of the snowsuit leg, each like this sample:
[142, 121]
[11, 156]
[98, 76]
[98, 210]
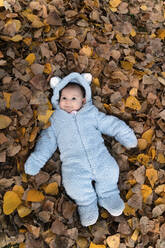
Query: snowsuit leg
[107, 188]
[79, 187]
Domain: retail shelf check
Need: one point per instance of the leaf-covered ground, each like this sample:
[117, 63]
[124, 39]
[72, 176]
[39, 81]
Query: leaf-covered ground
[122, 44]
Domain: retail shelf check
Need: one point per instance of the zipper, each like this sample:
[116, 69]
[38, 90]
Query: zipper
[82, 142]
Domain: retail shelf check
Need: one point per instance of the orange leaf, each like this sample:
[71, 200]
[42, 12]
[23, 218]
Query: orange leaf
[51, 189]
[152, 175]
[30, 58]
[34, 196]
[148, 135]
[10, 202]
[33, 134]
[143, 159]
[142, 144]
[16, 38]
[133, 103]
[96, 82]
[92, 245]
[152, 152]
[129, 210]
[88, 51]
[19, 190]
[4, 121]
[22, 245]
[45, 118]
[161, 158]
[47, 68]
[146, 192]
[114, 3]
[23, 211]
[126, 65]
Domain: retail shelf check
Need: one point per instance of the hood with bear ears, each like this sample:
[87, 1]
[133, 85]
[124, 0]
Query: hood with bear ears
[58, 84]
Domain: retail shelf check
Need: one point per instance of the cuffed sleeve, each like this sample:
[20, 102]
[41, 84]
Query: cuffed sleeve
[114, 127]
[44, 149]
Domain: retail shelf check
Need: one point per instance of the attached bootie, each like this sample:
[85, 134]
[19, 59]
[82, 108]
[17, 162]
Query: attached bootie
[113, 204]
[88, 214]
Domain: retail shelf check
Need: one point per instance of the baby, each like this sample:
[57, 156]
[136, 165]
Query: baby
[89, 173]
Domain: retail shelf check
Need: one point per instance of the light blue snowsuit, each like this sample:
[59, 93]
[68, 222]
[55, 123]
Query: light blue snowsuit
[83, 154]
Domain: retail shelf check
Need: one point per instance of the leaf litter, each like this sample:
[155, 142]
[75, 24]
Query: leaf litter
[121, 44]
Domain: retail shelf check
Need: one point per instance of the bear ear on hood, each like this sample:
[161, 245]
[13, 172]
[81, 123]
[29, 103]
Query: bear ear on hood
[87, 77]
[54, 81]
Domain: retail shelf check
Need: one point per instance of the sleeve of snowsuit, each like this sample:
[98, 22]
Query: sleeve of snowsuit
[44, 149]
[114, 127]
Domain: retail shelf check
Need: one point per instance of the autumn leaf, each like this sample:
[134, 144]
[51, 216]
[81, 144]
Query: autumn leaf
[19, 190]
[47, 68]
[16, 38]
[51, 189]
[10, 202]
[152, 176]
[161, 158]
[33, 134]
[129, 210]
[142, 144]
[146, 192]
[124, 39]
[113, 241]
[143, 159]
[34, 195]
[30, 58]
[45, 118]
[88, 51]
[114, 3]
[148, 135]
[133, 103]
[23, 211]
[92, 245]
[7, 97]
[4, 121]
[135, 235]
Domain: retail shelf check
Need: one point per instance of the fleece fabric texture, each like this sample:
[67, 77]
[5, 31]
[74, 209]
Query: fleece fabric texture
[84, 156]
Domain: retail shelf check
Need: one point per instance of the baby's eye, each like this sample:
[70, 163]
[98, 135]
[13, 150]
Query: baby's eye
[63, 98]
[74, 98]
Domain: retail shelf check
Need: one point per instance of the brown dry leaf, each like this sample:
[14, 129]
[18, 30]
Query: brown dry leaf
[113, 241]
[146, 192]
[152, 176]
[10, 202]
[34, 196]
[58, 227]
[82, 242]
[86, 50]
[51, 189]
[23, 211]
[68, 209]
[124, 39]
[133, 103]
[6, 183]
[34, 230]
[4, 121]
[148, 135]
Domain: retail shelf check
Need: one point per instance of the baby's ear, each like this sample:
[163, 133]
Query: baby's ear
[54, 81]
[87, 77]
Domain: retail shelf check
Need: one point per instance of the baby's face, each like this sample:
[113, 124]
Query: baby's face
[71, 99]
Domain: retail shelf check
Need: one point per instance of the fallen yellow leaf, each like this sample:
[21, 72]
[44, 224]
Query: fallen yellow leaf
[33, 134]
[45, 118]
[16, 38]
[47, 68]
[30, 58]
[10, 202]
[19, 190]
[4, 121]
[22, 245]
[152, 175]
[126, 65]
[34, 196]
[23, 211]
[129, 210]
[133, 33]
[51, 189]
[148, 135]
[143, 7]
[161, 158]
[142, 144]
[16, 22]
[161, 34]
[96, 82]
[104, 214]
[88, 51]
[113, 241]
[152, 152]
[92, 245]
[7, 98]
[114, 3]
[146, 192]
[160, 189]
[143, 159]
[160, 201]
[27, 41]
[124, 39]
[1, 3]
[135, 235]
[133, 103]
